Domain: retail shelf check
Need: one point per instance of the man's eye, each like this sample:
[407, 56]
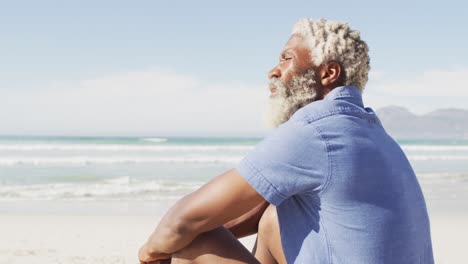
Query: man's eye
[286, 59]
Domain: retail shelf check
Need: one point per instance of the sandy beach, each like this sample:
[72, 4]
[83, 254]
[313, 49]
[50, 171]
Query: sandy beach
[60, 237]
[102, 233]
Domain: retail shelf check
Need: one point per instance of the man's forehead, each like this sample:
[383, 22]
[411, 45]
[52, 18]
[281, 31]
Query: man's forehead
[294, 42]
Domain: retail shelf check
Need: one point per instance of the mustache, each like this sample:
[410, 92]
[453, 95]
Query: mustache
[278, 85]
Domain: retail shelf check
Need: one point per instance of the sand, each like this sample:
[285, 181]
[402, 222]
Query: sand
[75, 239]
[54, 238]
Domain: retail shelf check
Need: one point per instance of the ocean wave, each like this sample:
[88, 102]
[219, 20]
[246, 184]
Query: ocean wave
[178, 147]
[155, 140]
[442, 177]
[84, 160]
[120, 159]
[435, 147]
[126, 188]
[119, 147]
[437, 157]
[114, 189]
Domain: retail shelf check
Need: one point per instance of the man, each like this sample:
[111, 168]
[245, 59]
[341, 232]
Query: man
[328, 185]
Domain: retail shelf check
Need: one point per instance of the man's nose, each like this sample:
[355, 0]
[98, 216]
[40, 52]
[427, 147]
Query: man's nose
[274, 73]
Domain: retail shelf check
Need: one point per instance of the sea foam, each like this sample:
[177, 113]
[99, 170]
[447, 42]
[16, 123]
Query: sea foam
[121, 188]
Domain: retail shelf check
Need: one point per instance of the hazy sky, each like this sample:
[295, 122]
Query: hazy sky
[199, 67]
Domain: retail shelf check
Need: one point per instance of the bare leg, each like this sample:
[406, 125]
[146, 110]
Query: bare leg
[268, 248]
[220, 246]
[216, 246]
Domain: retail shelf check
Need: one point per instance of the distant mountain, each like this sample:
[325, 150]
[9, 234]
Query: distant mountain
[439, 124]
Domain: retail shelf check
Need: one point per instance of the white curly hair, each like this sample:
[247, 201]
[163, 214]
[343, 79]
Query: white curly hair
[335, 41]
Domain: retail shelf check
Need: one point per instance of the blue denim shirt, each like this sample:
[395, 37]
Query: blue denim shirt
[344, 190]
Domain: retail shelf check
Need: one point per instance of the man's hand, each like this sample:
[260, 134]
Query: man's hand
[147, 257]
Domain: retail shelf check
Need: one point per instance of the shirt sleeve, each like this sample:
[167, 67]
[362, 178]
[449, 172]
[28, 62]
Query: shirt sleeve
[291, 160]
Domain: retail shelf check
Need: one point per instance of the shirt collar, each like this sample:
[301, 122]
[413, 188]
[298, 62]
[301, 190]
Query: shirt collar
[347, 93]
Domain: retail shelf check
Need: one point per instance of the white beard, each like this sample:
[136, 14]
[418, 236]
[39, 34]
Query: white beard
[287, 101]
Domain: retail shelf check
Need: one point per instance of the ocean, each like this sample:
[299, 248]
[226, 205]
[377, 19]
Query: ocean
[166, 168]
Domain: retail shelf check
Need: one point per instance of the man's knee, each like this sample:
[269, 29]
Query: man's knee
[269, 221]
[191, 252]
[214, 246]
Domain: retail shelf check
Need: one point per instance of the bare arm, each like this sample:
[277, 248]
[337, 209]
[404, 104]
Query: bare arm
[221, 200]
[247, 224]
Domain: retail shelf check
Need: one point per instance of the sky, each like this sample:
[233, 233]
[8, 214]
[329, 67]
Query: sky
[199, 68]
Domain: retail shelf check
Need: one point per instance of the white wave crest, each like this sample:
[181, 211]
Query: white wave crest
[435, 147]
[84, 160]
[157, 140]
[119, 147]
[114, 189]
[438, 157]
[442, 177]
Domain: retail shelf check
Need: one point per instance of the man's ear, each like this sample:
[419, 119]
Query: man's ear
[331, 74]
